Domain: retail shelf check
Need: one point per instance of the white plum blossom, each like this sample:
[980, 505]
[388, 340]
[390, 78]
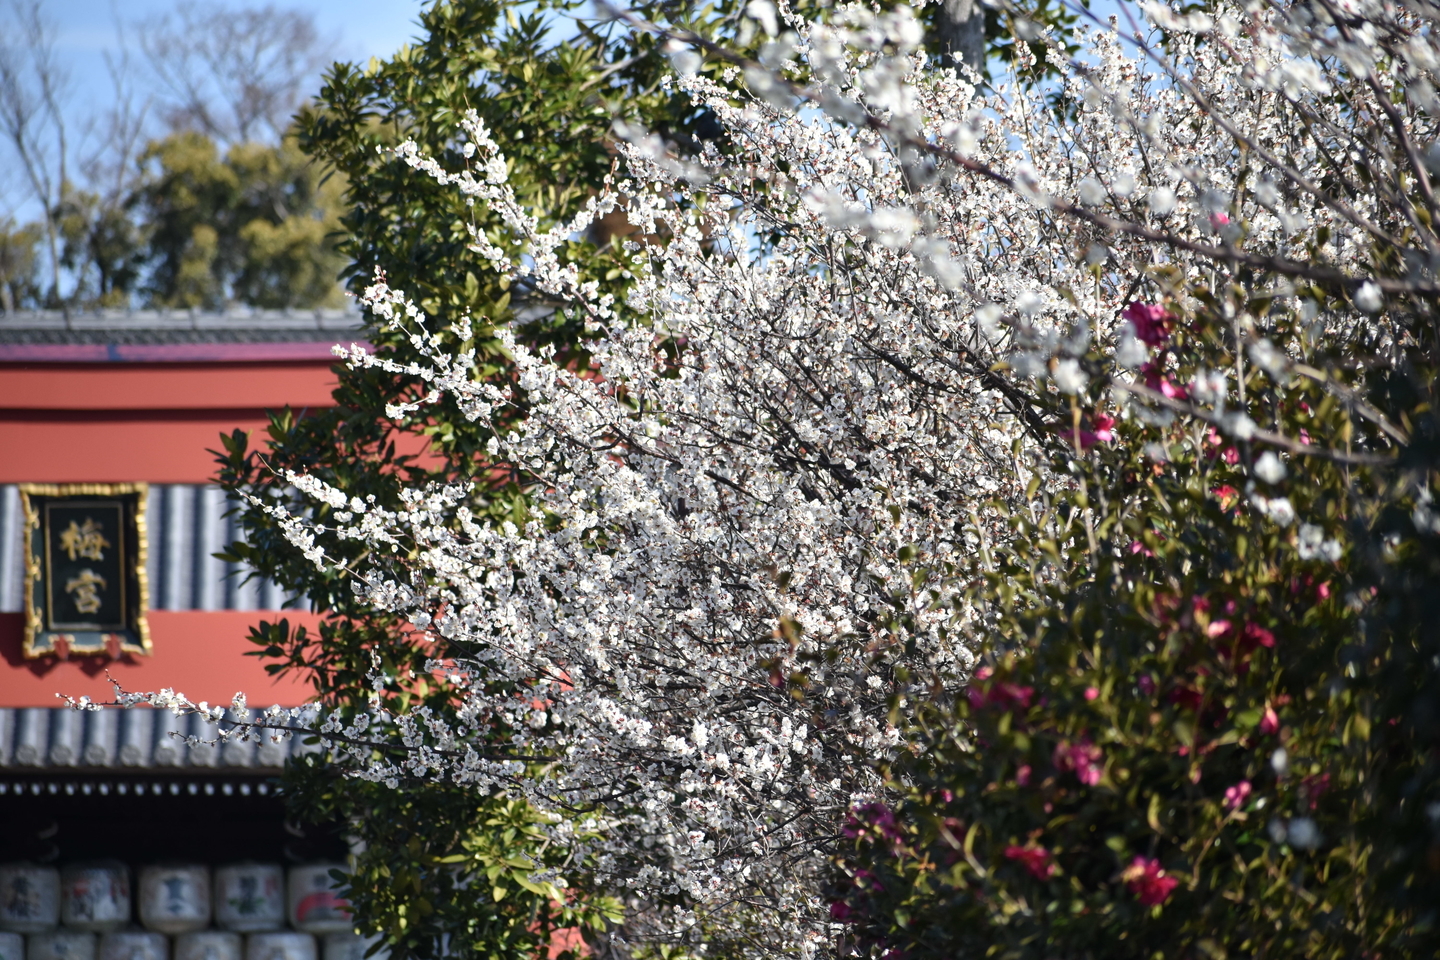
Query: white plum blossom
[748, 515]
[1268, 467]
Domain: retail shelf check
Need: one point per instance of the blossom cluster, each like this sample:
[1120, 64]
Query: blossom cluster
[848, 337]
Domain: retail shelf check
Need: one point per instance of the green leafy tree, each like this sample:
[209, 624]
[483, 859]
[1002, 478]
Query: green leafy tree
[542, 100]
[102, 247]
[19, 260]
[251, 226]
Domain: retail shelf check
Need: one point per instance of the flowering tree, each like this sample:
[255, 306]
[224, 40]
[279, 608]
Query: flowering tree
[921, 373]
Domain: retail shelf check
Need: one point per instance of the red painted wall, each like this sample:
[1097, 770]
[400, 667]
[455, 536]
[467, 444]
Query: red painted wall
[165, 386]
[200, 653]
[108, 423]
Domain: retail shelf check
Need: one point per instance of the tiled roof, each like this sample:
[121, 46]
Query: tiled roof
[174, 326]
[174, 335]
[58, 739]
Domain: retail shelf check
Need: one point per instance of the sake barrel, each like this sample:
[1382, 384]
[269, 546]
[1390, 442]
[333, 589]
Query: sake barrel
[250, 897]
[280, 946]
[315, 903]
[29, 898]
[175, 898]
[351, 946]
[61, 945]
[209, 945]
[134, 945]
[95, 896]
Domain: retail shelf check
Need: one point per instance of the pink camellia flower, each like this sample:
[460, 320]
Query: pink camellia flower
[871, 816]
[1003, 695]
[1102, 432]
[1236, 796]
[1083, 758]
[1269, 721]
[1162, 385]
[1226, 494]
[1022, 775]
[1227, 451]
[1255, 635]
[1151, 322]
[1148, 882]
[1034, 858]
[1091, 693]
[840, 912]
[1218, 220]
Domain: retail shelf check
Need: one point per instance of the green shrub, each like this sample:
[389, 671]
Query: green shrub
[1205, 725]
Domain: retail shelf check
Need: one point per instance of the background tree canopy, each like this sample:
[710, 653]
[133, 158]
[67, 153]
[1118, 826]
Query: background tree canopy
[214, 205]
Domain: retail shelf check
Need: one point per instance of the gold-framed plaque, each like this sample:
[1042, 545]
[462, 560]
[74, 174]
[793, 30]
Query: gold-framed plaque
[86, 590]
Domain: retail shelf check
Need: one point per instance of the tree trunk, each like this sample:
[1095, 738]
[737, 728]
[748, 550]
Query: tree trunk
[961, 27]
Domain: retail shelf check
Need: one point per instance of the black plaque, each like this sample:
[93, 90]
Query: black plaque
[85, 573]
[84, 565]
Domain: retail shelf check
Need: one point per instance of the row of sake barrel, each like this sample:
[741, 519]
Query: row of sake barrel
[201, 945]
[174, 898]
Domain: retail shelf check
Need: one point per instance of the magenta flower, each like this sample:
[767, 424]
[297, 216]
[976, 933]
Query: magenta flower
[1257, 636]
[1151, 322]
[1236, 796]
[871, 816]
[1084, 759]
[1003, 695]
[1148, 882]
[1270, 722]
[1034, 858]
[1162, 385]
[1103, 431]
[1219, 628]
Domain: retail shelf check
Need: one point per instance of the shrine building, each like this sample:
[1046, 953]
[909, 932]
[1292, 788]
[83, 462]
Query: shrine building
[118, 840]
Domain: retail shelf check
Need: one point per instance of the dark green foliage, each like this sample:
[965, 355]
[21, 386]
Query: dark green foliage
[1176, 683]
[473, 888]
[251, 226]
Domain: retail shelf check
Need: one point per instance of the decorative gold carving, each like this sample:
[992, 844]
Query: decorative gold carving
[86, 587]
[85, 539]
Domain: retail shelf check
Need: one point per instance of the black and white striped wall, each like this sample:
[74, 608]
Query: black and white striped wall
[187, 526]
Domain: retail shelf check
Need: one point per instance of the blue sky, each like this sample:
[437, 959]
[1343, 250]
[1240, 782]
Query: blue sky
[365, 28]
[86, 29]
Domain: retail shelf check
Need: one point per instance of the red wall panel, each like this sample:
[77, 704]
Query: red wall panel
[165, 386]
[199, 653]
[165, 447]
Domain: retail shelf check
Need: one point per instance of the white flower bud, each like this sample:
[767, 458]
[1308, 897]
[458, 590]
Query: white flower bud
[1162, 201]
[1269, 468]
[1369, 298]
